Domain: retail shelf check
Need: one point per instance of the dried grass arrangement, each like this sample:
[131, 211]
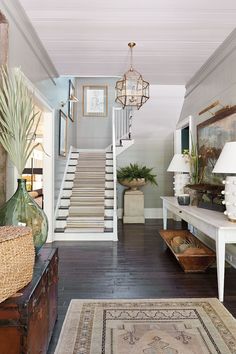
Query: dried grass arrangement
[18, 118]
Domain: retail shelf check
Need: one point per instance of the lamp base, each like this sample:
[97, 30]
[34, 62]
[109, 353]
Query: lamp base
[180, 181]
[230, 198]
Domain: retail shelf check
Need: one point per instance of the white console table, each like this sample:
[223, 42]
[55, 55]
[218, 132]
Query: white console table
[212, 223]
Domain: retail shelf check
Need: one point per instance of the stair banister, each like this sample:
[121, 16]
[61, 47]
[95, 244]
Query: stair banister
[114, 173]
[63, 182]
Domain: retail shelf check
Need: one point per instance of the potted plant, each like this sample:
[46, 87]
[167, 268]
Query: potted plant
[18, 125]
[196, 174]
[134, 176]
[201, 192]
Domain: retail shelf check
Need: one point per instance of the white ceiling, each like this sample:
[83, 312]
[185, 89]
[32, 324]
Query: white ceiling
[89, 37]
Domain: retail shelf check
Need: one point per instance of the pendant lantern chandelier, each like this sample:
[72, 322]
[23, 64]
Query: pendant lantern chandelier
[132, 90]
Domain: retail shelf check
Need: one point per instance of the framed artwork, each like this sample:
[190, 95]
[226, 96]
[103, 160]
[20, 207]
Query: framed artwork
[211, 137]
[95, 101]
[62, 133]
[70, 103]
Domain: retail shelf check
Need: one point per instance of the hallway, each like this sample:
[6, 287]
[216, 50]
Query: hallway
[138, 266]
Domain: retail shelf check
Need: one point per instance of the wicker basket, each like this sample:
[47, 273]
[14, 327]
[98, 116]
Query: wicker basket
[17, 258]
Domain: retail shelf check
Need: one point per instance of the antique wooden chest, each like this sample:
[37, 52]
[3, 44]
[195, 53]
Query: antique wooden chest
[27, 319]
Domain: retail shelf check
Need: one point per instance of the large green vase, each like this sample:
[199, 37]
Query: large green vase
[21, 209]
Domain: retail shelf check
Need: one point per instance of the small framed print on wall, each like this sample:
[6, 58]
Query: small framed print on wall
[70, 102]
[95, 101]
[62, 133]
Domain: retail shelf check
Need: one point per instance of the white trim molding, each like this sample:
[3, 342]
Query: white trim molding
[18, 16]
[63, 182]
[149, 213]
[220, 54]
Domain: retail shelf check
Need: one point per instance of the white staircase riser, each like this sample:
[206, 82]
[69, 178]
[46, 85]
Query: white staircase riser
[65, 202]
[75, 155]
[71, 168]
[73, 162]
[60, 223]
[63, 212]
[109, 202]
[109, 169]
[70, 176]
[108, 212]
[73, 236]
[108, 224]
[109, 162]
[109, 176]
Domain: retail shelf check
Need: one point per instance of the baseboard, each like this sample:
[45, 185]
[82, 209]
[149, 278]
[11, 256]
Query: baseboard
[149, 213]
[88, 236]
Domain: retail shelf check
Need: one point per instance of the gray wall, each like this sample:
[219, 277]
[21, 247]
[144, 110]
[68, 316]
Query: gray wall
[95, 132]
[27, 52]
[152, 131]
[25, 49]
[55, 95]
[216, 80]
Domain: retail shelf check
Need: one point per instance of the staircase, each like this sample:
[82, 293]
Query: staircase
[85, 211]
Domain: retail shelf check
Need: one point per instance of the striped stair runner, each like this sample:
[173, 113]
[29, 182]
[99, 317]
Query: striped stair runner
[87, 204]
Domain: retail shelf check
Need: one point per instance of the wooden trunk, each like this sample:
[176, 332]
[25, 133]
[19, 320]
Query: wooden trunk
[191, 263]
[27, 319]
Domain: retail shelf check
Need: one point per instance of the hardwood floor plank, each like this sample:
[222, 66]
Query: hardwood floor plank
[138, 266]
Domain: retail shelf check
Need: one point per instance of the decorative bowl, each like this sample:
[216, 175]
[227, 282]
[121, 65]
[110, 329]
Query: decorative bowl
[133, 184]
[183, 199]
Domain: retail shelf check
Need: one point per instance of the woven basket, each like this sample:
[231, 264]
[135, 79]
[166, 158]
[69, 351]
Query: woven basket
[17, 258]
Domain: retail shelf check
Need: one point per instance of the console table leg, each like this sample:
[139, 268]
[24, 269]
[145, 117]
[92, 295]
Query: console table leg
[220, 258]
[164, 210]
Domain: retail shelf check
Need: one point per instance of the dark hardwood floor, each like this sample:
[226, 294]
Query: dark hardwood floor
[138, 266]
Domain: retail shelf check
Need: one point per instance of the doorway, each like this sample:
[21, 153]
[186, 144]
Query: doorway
[45, 160]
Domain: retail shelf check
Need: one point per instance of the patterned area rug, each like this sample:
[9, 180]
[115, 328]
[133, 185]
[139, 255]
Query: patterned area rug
[175, 326]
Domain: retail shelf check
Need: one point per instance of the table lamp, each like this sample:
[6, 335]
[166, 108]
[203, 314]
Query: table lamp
[226, 163]
[180, 165]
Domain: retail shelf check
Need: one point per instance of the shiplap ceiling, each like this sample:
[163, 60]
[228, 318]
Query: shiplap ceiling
[89, 37]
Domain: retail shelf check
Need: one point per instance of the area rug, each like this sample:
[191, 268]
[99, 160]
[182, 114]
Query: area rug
[174, 326]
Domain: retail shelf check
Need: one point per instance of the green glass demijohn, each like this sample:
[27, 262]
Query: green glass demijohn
[22, 210]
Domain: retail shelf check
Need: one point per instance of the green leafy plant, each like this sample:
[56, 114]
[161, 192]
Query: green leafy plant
[196, 168]
[18, 119]
[135, 171]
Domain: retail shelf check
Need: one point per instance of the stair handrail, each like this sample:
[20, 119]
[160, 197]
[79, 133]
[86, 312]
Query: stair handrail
[115, 231]
[121, 129]
[63, 182]
[123, 123]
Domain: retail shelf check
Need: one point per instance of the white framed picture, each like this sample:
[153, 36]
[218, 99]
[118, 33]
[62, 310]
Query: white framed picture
[95, 101]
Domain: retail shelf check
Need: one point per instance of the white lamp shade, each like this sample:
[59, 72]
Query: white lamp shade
[179, 163]
[226, 162]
